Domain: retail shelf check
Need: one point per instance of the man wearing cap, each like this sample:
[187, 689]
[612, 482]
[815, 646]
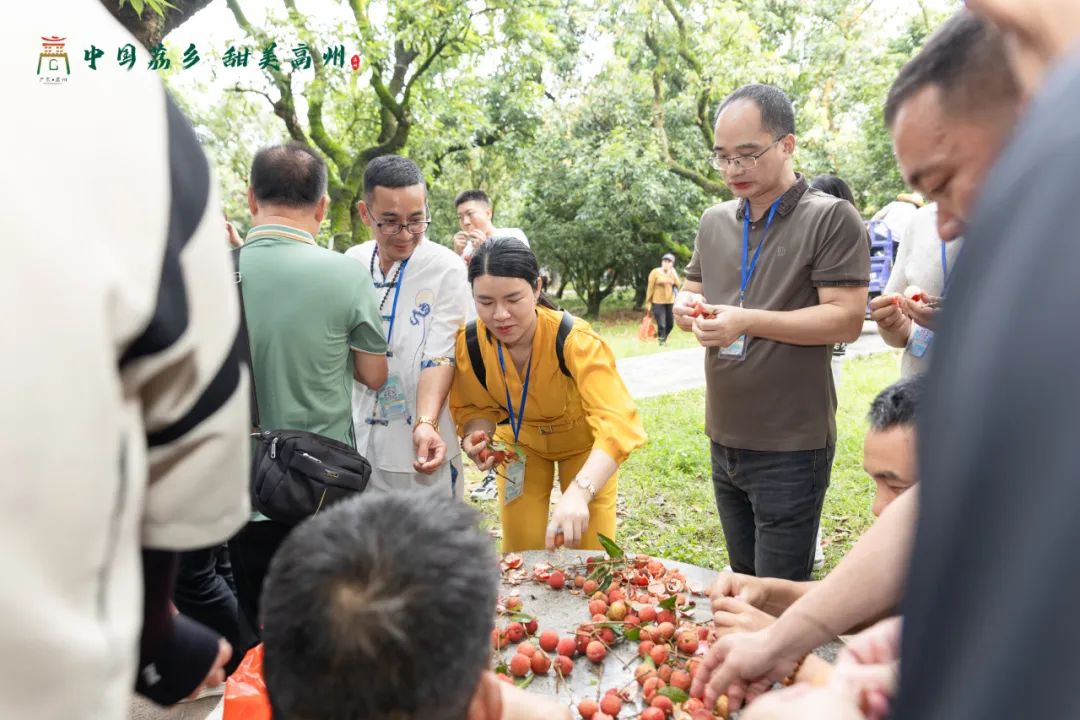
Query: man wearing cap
[778, 276]
[660, 295]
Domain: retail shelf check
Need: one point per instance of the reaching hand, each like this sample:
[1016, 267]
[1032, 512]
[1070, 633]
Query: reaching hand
[867, 666]
[733, 615]
[736, 585]
[803, 702]
[570, 519]
[737, 664]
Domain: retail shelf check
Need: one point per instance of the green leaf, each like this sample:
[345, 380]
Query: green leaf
[668, 604]
[521, 617]
[502, 668]
[597, 573]
[610, 547]
[606, 582]
[649, 661]
[677, 695]
[632, 633]
[527, 681]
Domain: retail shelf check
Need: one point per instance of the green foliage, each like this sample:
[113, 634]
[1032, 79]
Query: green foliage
[597, 209]
[158, 6]
[602, 162]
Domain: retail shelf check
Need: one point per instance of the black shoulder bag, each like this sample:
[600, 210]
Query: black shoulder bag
[295, 474]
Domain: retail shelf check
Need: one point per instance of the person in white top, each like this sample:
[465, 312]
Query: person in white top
[897, 214]
[474, 215]
[125, 413]
[404, 429]
[923, 263]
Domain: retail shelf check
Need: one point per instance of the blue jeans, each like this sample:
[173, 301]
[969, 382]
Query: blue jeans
[770, 507]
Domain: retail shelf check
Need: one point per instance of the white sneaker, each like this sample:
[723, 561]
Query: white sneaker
[819, 552]
[486, 490]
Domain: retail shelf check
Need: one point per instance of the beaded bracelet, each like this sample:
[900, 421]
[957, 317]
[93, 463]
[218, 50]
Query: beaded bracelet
[790, 679]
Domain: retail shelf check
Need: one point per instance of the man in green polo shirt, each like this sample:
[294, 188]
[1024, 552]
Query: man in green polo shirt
[781, 273]
[313, 323]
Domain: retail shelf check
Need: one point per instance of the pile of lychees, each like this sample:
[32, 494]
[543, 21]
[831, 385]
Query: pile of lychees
[630, 601]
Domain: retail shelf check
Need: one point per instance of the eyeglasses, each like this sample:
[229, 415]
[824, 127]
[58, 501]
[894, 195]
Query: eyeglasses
[416, 227]
[743, 162]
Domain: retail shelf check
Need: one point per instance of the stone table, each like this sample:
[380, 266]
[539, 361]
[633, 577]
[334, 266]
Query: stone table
[563, 611]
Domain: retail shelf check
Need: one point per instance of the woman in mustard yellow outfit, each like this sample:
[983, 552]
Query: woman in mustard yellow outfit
[580, 419]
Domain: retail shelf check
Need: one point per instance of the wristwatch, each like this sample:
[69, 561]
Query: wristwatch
[427, 419]
[585, 484]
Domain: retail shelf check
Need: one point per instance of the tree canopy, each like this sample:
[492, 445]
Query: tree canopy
[589, 122]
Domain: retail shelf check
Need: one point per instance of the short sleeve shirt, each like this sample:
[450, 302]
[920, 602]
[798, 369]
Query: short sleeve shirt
[307, 309]
[781, 397]
[919, 263]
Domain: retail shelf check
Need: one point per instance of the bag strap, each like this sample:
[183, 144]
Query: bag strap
[476, 358]
[566, 324]
[243, 340]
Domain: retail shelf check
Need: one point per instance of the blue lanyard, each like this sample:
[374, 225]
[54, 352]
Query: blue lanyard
[393, 306]
[515, 426]
[748, 272]
[944, 265]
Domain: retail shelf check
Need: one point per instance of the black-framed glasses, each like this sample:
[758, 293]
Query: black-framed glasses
[743, 162]
[415, 227]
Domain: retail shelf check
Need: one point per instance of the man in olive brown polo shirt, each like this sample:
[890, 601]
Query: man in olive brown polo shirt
[782, 272]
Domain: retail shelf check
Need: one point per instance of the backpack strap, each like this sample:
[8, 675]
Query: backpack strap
[243, 341]
[565, 326]
[476, 358]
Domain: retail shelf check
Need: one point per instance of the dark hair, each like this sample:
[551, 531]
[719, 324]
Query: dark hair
[391, 171]
[380, 607]
[290, 175]
[507, 257]
[966, 59]
[777, 113]
[896, 405]
[834, 186]
[472, 195]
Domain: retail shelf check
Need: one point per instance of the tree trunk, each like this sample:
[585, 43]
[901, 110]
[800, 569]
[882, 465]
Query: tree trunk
[150, 28]
[592, 302]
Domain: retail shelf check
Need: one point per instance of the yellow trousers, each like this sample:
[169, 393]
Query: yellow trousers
[567, 446]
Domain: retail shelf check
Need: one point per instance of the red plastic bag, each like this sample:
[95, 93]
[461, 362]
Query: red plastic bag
[245, 690]
[647, 331]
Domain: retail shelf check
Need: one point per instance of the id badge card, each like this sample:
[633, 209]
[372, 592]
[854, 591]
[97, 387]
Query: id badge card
[921, 340]
[393, 405]
[515, 480]
[735, 351]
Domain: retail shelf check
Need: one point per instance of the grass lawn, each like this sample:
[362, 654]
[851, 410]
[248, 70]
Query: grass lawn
[619, 322]
[666, 505]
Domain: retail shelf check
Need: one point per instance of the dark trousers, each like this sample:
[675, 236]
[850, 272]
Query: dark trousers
[770, 507]
[205, 592]
[251, 550]
[665, 320]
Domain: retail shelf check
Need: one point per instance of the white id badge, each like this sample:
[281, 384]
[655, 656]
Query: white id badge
[393, 405]
[515, 481]
[920, 341]
[736, 350]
